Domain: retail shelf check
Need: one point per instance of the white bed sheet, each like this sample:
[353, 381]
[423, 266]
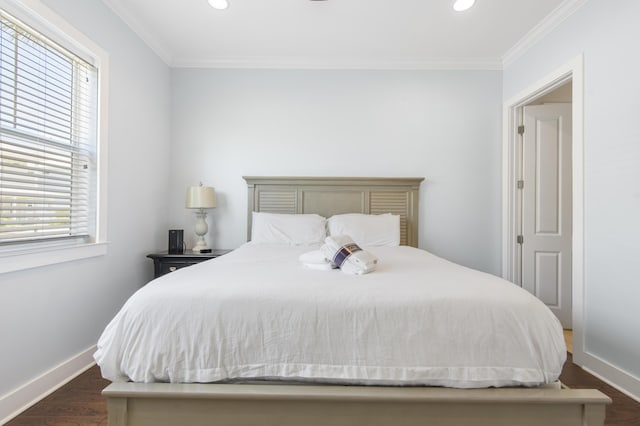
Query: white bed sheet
[258, 313]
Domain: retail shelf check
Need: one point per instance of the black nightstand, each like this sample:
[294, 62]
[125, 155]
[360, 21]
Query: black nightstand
[164, 262]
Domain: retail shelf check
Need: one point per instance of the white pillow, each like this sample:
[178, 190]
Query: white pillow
[291, 229]
[367, 230]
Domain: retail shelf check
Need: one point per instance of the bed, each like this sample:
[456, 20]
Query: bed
[350, 364]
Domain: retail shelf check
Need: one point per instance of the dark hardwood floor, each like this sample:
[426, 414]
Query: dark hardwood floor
[79, 403]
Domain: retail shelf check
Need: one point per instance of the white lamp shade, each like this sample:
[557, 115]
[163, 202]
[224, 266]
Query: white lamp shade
[201, 197]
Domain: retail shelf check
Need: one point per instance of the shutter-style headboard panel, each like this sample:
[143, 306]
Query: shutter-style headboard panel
[327, 196]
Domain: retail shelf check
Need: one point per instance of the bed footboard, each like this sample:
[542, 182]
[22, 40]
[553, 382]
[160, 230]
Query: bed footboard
[159, 404]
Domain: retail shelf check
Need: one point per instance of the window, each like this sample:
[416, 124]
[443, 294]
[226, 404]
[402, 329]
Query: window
[48, 140]
[53, 139]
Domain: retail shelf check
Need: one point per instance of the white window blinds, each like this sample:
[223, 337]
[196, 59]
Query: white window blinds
[48, 103]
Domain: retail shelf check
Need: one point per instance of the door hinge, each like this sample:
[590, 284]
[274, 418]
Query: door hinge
[520, 184]
[520, 239]
[521, 130]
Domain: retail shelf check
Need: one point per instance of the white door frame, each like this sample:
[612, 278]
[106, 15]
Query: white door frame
[571, 71]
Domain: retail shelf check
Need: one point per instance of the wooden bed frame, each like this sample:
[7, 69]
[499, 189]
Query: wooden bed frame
[160, 404]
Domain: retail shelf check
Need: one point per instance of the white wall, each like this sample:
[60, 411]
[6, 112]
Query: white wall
[441, 125]
[606, 32]
[50, 314]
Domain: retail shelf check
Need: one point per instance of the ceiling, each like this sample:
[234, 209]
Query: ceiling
[375, 34]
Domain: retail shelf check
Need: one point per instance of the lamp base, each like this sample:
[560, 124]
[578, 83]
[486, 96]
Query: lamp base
[200, 230]
[200, 246]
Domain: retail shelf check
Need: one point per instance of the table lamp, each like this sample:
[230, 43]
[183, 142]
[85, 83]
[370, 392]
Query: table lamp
[201, 197]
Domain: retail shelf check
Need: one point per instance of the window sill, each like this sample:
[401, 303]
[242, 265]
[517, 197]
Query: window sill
[17, 261]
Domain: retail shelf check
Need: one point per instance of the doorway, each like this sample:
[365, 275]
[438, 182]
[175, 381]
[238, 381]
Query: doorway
[544, 207]
[564, 85]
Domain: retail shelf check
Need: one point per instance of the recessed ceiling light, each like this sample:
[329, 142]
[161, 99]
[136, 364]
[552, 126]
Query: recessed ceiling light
[461, 5]
[219, 4]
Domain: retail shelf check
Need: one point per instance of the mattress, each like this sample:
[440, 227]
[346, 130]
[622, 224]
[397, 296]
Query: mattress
[257, 313]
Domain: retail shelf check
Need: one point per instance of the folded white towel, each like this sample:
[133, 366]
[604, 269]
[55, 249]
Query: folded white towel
[348, 256]
[315, 260]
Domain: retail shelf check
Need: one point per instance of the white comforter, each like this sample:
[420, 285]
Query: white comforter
[258, 313]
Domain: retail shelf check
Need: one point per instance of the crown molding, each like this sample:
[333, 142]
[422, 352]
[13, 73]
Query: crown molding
[135, 25]
[548, 24]
[268, 62]
[542, 29]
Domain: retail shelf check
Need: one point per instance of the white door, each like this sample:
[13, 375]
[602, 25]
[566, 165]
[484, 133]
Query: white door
[546, 206]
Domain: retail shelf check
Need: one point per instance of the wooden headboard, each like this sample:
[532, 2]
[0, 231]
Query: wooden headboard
[327, 196]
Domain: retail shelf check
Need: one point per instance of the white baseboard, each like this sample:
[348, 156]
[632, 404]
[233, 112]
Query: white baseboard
[619, 379]
[25, 396]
